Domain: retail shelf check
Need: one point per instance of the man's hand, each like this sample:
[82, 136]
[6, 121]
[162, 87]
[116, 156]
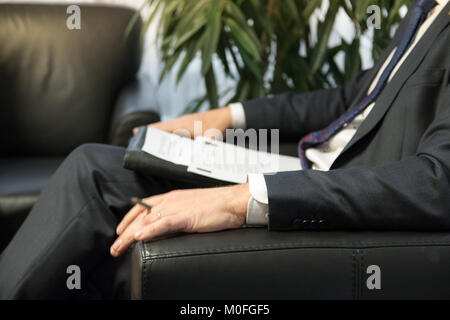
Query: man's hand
[192, 210]
[219, 119]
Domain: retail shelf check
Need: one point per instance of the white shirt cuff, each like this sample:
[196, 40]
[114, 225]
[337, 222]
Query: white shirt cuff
[238, 120]
[258, 204]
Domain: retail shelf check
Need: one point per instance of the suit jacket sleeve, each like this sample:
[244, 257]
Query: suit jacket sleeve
[298, 114]
[410, 194]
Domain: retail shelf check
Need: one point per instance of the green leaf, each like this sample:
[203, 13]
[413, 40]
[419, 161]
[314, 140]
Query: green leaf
[336, 73]
[251, 64]
[150, 19]
[196, 13]
[352, 60]
[323, 36]
[277, 44]
[211, 88]
[212, 34]
[262, 21]
[292, 8]
[243, 39]
[239, 18]
[393, 12]
[312, 5]
[169, 63]
[197, 24]
[222, 54]
[243, 93]
[361, 8]
[191, 50]
[195, 105]
[134, 19]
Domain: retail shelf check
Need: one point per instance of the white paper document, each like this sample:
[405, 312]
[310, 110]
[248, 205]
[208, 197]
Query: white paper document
[168, 146]
[215, 159]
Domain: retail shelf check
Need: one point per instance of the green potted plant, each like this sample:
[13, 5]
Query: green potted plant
[265, 45]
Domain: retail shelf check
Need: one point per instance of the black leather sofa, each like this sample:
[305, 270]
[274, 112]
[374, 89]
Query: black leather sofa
[60, 88]
[255, 264]
[258, 264]
[82, 79]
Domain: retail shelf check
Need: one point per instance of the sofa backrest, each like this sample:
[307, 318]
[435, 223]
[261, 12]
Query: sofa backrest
[58, 86]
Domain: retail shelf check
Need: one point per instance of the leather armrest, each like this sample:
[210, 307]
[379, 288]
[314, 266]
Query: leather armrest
[130, 112]
[258, 264]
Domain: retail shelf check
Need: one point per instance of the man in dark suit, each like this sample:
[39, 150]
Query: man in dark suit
[379, 160]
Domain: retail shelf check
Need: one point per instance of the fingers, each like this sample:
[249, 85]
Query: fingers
[163, 125]
[158, 125]
[193, 210]
[124, 241]
[145, 227]
[129, 217]
[138, 209]
[156, 199]
[159, 227]
[136, 219]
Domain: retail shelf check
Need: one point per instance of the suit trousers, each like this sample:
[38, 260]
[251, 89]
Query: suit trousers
[70, 229]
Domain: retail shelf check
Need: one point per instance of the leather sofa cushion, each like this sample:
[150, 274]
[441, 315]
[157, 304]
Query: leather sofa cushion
[21, 181]
[258, 264]
[26, 175]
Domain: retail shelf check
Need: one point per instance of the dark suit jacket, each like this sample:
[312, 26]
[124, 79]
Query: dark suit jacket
[395, 172]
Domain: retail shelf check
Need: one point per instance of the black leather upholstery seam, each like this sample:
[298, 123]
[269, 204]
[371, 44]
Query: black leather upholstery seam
[357, 274]
[361, 273]
[290, 246]
[143, 273]
[354, 276]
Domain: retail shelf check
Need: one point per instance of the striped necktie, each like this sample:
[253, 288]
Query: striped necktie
[418, 15]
